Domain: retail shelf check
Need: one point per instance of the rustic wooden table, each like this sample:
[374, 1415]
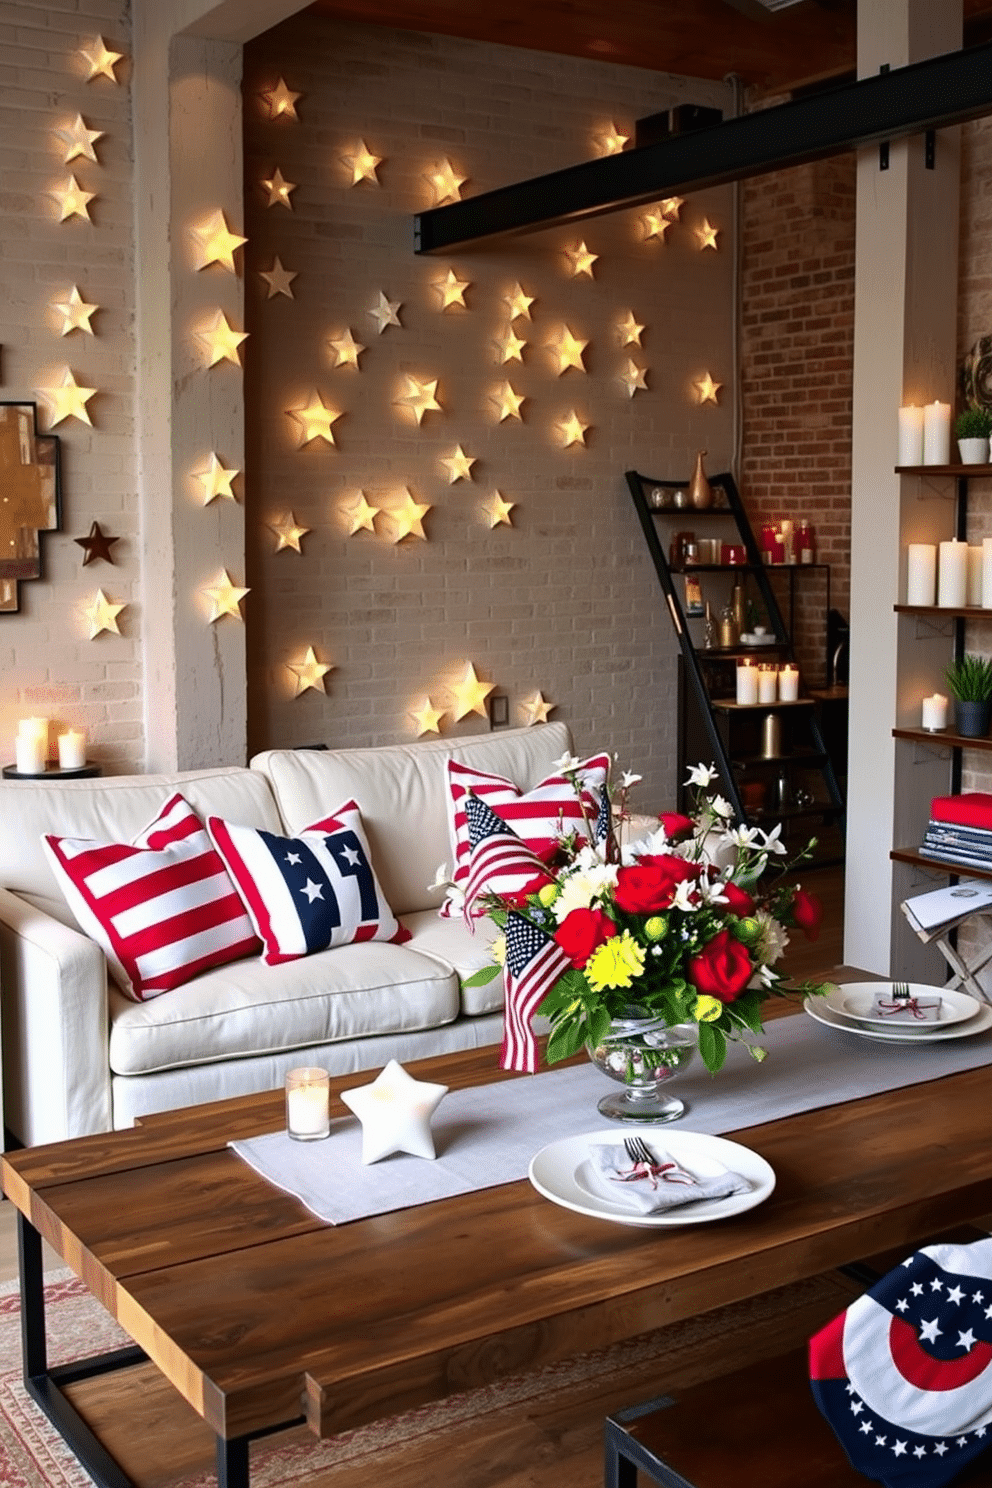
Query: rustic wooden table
[261, 1316]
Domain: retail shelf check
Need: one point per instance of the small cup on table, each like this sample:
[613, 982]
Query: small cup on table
[308, 1104]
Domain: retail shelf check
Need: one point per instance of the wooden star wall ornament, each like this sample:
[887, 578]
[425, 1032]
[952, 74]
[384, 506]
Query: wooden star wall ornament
[507, 402]
[315, 420]
[498, 511]
[101, 59]
[706, 235]
[707, 389]
[572, 430]
[536, 709]
[470, 694]
[386, 312]
[611, 141]
[566, 349]
[628, 330]
[346, 350]
[672, 206]
[281, 101]
[408, 518]
[225, 597]
[361, 517]
[220, 341]
[279, 190]
[289, 533]
[215, 242]
[451, 290]
[78, 140]
[633, 377]
[445, 183]
[102, 615]
[419, 396]
[518, 303]
[580, 261]
[309, 673]
[427, 717]
[655, 225]
[216, 481]
[67, 399]
[362, 164]
[278, 279]
[97, 545]
[73, 200]
[458, 465]
[75, 312]
[510, 346]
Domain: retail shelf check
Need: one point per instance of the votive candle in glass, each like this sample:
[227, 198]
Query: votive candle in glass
[308, 1104]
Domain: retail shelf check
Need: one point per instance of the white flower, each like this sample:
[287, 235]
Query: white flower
[590, 858]
[744, 836]
[711, 893]
[685, 897]
[702, 776]
[566, 763]
[772, 844]
[627, 780]
[763, 977]
[440, 877]
[773, 939]
[720, 807]
[655, 842]
[580, 889]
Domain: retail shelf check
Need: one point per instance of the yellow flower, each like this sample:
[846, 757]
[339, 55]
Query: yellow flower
[498, 950]
[707, 1009]
[548, 894]
[615, 963]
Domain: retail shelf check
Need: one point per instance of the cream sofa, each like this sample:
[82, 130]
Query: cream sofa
[80, 1057]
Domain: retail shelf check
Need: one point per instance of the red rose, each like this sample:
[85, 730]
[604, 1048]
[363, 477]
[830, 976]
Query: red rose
[581, 931]
[533, 885]
[739, 902]
[722, 969]
[675, 824]
[650, 885]
[807, 912]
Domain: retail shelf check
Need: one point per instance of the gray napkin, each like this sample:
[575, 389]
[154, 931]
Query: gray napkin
[922, 1008]
[655, 1187]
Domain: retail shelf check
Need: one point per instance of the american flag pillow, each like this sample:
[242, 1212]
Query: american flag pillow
[308, 892]
[162, 907]
[540, 817]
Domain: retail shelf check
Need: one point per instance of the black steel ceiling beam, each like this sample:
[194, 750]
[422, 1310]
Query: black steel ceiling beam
[908, 100]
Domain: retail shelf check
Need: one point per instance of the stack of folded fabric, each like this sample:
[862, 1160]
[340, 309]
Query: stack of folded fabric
[960, 830]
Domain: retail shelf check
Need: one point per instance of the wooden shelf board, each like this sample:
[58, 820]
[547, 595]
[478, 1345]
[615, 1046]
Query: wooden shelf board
[968, 612]
[749, 761]
[947, 737]
[978, 470]
[727, 705]
[956, 870]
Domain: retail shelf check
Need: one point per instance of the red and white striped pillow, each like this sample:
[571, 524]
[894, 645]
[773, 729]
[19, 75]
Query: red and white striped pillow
[162, 908]
[540, 817]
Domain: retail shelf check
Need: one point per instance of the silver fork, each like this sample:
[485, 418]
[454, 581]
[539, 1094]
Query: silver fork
[638, 1151]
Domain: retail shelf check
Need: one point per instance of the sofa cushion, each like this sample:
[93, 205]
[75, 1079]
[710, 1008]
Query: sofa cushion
[250, 1009]
[454, 944]
[162, 908]
[308, 892]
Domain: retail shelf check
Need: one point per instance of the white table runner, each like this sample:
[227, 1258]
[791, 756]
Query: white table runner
[487, 1135]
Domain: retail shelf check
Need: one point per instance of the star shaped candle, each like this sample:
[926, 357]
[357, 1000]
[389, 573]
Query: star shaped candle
[445, 182]
[225, 597]
[519, 303]
[362, 164]
[408, 518]
[281, 101]
[510, 346]
[470, 694]
[420, 396]
[72, 199]
[706, 235]
[346, 349]
[75, 313]
[386, 312]
[216, 242]
[707, 389]
[628, 330]
[288, 533]
[96, 545]
[458, 465]
[315, 420]
[580, 261]
[572, 430]
[395, 1112]
[632, 376]
[278, 279]
[279, 190]
[310, 673]
[567, 350]
[101, 59]
[507, 402]
[655, 224]
[78, 140]
[102, 615]
[536, 709]
[66, 399]
[451, 290]
[427, 717]
[220, 341]
[498, 511]
[611, 141]
[361, 517]
[216, 481]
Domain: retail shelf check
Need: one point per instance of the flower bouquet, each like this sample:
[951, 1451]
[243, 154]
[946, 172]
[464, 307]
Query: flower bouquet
[676, 926]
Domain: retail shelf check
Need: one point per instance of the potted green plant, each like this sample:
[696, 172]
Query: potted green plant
[970, 681]
[972, 429]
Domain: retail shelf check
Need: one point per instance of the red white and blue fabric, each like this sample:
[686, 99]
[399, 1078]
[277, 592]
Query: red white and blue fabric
[904, 1376]
[308, 892]
[162, 908]
[500, 863]
[534, 962]
[540, 817]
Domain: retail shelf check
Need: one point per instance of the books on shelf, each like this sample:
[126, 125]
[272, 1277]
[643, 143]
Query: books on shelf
[935, 913]
[948, 842]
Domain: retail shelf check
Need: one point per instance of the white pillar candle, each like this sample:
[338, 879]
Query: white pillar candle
[987, 573]
[788, 540]
[911, 435]
[952, 575]
[788, 683]
[921, 574]
[935, 712]
[767, 684]
[307, 1104]
[747, 683]
[937, 434]
[974, 573]
[29, 757]
[72, 749]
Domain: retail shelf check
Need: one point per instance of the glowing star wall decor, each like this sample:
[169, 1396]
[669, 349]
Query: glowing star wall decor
[458, 465]
[278, 279]
[309, 673]
[361, 517]
[408, 518]
[78, 140]
[566, 350]
[102, 615]
[470, 695]
[215, 242]
[395, 1112]
[580, 261]
[672, 206]
[510, 346]
[536, 709]
[632, 376]
[611, 141]
[707, 388]
[427, 717]
[101, 59]
[386, 312]
[216, 481]
[419, 396]
[706, 235]
[66, 399]
[225, 597]
[572, 430]
[288, 533]
[75, 313]
[281, 101]
[628, 330]
[220, 341]
[315, 420]
[279, 190]
[445, 183]
[72, 199]
[498, 511]
[97, 545]
[518, 303]
[507, 402]
[451, 290]
[362, 164]
[346, 349]
[655, 224]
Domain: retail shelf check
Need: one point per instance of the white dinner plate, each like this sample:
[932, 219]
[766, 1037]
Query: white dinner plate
[980, 1023]
[559, 1170]
[855, 1000]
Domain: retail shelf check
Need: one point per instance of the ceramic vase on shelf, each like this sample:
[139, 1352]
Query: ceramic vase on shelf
[973, 451]
[972, 718]
[700, 490]
[642, 1053]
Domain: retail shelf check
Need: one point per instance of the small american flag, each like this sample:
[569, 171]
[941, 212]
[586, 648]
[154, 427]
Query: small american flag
[500, 862]
[534, 962]
[604, 820]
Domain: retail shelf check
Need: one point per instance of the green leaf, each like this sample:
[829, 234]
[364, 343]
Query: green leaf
[565, 1040]
[747, 1010]
[712, 1046]
[482, 977]
[598, 1025]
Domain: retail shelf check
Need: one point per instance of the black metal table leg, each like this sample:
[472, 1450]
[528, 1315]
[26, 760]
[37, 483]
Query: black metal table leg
[232, 1462]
